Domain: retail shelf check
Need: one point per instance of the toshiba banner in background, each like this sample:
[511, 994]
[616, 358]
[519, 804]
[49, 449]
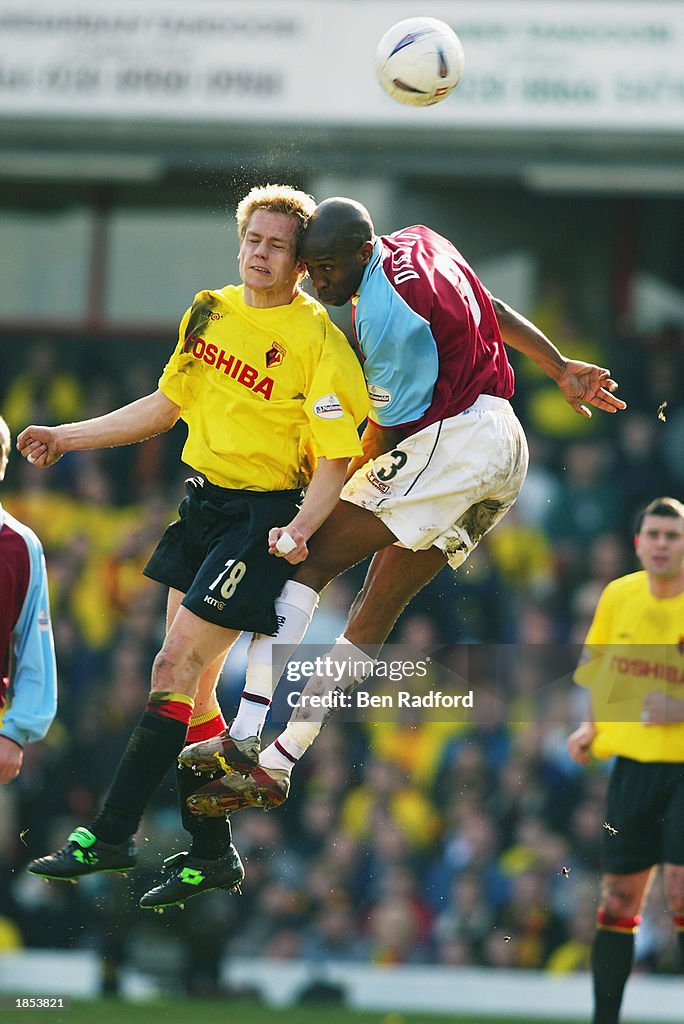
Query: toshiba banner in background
[529, 63]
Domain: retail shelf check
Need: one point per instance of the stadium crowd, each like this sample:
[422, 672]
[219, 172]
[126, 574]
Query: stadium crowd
[470, 841]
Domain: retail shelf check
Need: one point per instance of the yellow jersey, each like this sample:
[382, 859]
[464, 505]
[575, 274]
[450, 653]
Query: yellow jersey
[264, 392]
[635, 645]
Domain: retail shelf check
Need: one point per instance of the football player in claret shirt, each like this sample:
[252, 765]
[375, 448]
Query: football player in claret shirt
[444, 457]
[28, 672]
[272, 395]
[633, 668]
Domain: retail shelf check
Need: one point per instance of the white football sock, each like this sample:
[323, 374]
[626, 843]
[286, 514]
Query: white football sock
[351, 666]
[268, 655]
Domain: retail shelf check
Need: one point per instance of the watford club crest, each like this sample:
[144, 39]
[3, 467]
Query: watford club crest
[275, 355]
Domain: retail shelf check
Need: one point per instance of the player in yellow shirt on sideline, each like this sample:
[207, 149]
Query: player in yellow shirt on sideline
[272, 395]
[633, 665]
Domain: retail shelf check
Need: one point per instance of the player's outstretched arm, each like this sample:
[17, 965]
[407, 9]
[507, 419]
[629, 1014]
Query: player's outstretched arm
[582, 384]
[143, 418]
[321, 496]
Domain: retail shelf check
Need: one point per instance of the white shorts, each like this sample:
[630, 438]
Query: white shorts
[450, 483]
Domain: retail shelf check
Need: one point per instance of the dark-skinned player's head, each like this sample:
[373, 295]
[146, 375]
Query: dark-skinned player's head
[336, 247]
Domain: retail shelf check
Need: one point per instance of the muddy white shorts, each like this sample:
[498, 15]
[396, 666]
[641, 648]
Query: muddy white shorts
[450, 483]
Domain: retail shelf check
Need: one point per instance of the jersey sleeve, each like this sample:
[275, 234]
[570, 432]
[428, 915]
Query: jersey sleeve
[34, 679]
[337, 402]
[402, 362]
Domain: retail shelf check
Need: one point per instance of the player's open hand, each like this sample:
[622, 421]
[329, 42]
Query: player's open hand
[579, 742]
[586, 383]
[40, 446]
[289, 543]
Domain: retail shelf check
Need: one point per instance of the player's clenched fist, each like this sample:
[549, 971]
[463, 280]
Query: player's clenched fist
[579, 742]
[11, 757]
[40, 446]
[289, 544]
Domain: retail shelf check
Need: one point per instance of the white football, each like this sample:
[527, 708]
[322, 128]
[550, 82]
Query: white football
[419, 61]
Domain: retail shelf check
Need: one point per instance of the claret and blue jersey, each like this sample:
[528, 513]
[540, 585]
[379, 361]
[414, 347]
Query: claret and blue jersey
[25, 635]
[427, 332]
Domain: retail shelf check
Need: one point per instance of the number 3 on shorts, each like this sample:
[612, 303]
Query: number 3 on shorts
[399, 459]
[233, 573]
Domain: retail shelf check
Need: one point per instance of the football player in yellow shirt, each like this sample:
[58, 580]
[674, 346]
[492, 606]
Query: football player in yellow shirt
[633, 666]
[272, 395]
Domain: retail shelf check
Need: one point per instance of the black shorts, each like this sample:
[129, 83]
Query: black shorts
[645, 804]
[216, 553]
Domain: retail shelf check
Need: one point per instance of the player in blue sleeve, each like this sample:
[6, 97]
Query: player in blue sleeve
[28, 672]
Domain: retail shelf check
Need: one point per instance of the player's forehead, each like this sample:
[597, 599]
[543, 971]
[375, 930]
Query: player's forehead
[327, 250]
[272, 224]
[653, 523]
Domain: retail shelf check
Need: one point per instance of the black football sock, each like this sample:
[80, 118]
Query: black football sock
[611, 961]
[152, 749]
[211, 837]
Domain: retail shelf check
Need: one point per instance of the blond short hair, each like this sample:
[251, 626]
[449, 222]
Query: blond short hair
[277, 199]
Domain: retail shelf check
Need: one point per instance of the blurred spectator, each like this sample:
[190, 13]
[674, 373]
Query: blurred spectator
[331, 615]
[471, 842]
[388, 797]
[43, 392]
[334, 934]
[541, 482]
[394, 929]
[522, 554]
[670, 448]
[555, 315]
[466, 921]
[639, 462]
[574, 953]
[528, 915]
[589, 500]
